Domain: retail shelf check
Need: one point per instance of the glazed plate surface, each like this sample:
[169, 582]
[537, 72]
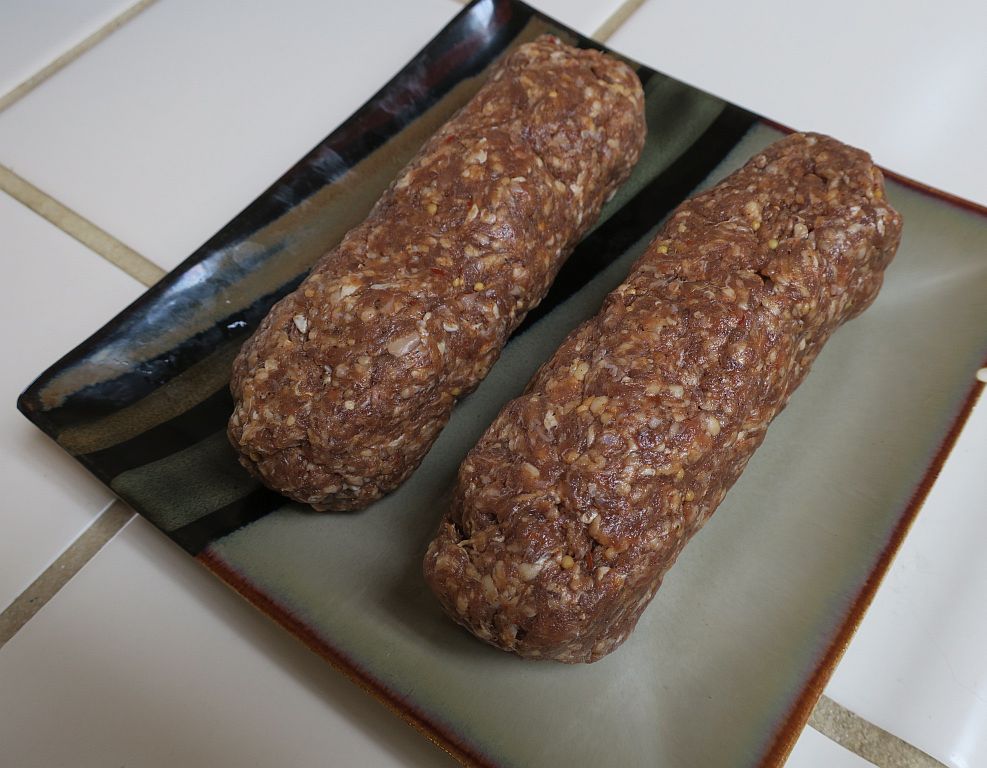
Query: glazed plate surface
[729, 659]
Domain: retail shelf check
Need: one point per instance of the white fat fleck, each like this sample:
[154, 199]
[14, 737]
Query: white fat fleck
[530, 470]
[529, 571]
[301, 323]
[402, 345]
[489, 590]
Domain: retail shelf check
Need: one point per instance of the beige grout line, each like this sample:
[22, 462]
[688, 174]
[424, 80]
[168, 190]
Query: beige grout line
[72, 54]
[80, 228]
[56, 575]
[864, 738]
[616, 20]
[116, 515]
[63, 217]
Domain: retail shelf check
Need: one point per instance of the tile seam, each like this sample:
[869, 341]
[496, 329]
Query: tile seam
[80, 228]
[26, 605]
[616, 20]
[865, 739]
[25, 87]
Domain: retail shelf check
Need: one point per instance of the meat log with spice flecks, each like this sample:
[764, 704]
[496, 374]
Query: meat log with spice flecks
[584, 490]
[349, 380]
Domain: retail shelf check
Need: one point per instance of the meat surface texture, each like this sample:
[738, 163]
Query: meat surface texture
[349, 380]
[583, 491]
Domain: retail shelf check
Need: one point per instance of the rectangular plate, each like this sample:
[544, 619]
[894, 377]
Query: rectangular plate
[726, 664]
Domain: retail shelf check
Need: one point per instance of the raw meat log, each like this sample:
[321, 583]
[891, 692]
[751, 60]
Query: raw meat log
[584, 490]
[349, 380]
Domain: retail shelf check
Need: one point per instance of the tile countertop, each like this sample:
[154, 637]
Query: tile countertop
[109, 140]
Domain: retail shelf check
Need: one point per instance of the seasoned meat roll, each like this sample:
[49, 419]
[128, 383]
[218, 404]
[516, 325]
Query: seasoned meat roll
[584, 490]
[348, 381]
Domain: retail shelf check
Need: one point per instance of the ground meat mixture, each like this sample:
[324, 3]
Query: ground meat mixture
[348, 381]
[584, 490]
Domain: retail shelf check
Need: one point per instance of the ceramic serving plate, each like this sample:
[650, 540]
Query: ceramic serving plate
[729, 659]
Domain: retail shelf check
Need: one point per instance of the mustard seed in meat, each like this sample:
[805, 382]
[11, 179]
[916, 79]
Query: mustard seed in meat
[581, 494]
[349, 380]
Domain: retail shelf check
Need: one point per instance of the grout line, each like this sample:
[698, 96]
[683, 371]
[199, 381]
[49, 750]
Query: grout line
[616, 20]
[66, 565]
[112, 519]
[83, 230]
[73, 53]
[870, 742]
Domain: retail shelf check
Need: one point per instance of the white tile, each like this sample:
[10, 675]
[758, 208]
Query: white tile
[917, 666]
[172, 125]
[584, 16]
[145, 659]
[813, 750]
[34, 34]
[908, 84]
[57, 293]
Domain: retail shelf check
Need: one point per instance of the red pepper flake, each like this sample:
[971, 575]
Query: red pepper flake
[449, 139]
[437, 271]
[589, 560]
